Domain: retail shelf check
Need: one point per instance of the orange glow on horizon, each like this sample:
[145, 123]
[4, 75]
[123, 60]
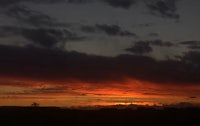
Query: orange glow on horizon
[18, 91]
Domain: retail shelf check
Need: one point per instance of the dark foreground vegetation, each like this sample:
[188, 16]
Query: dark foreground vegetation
[52, 116]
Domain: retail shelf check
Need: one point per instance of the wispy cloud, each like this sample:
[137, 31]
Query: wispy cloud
[191, 44]
[140, 48]
[163, 8]
[111, 30]
[126, 4]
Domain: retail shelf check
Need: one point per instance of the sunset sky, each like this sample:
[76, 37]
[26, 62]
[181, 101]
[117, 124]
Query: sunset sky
[99, 52]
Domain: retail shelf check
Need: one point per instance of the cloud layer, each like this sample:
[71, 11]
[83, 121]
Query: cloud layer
[37, 63]
[111, 30]
[41, 58]
[162, 8]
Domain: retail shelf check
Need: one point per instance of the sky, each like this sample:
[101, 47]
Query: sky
[99, 52]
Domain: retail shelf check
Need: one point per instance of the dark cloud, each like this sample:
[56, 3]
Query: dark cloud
[160, 43]
[193, 97]
[37, 27]
[109, 29]
[34, 18]
[140, 48]
[12, 2]
[128, 33]
[191, 44]
[88, 29]
[146, 24]
[192, 57]
[153, 34]
[112, 30]
[8, 31]
[163, 8]
[157, 42]
[46, 90]
[41, 90]
[49, 37]
[4, 3]
[195, 47]
[45, 37]
[121, 3]
[49, 64]
[154, 93]
[79, 1]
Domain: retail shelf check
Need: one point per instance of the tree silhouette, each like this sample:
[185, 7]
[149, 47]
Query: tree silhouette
[35, 104]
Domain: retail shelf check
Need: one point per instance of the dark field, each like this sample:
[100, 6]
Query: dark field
[50, 116]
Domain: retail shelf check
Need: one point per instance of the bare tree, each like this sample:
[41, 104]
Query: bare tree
[35, 104]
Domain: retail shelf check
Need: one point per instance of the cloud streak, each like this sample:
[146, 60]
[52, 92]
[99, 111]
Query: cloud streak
[43, 37]
[30, 17]
[126, 4]
[191, 44]
[50, 37]
[140, 48]
[111, 30]
[144, 47]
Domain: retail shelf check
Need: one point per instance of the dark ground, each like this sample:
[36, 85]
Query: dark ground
[50, 116]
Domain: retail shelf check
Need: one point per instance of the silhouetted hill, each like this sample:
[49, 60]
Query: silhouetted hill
[53, 116]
